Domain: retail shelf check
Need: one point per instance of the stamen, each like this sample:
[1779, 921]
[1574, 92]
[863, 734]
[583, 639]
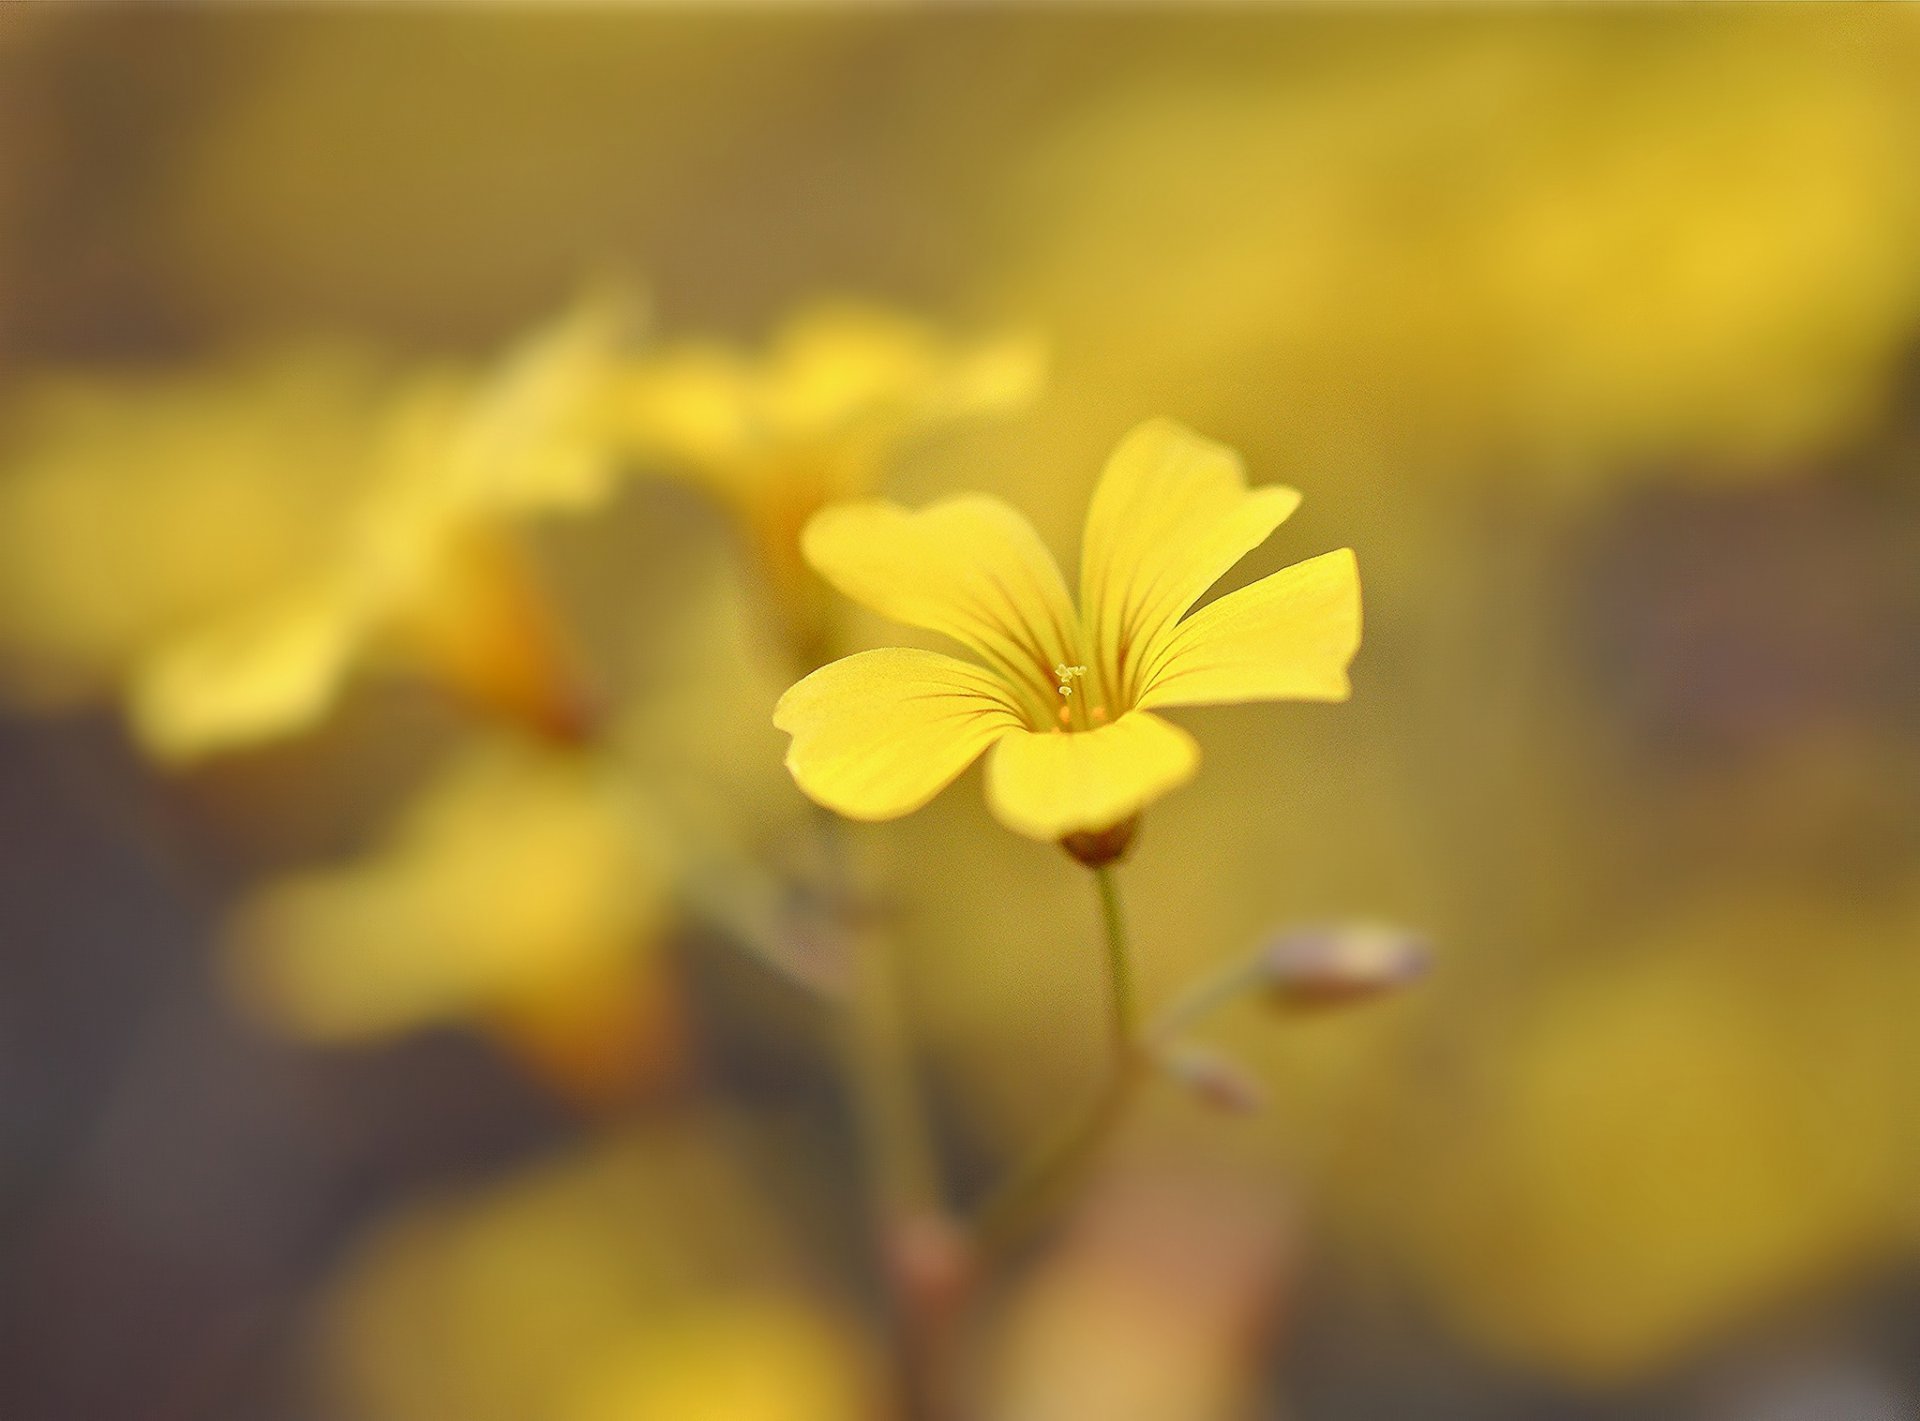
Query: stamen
[1064, 677]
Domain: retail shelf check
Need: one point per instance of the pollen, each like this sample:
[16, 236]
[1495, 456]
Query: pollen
[1064, 677]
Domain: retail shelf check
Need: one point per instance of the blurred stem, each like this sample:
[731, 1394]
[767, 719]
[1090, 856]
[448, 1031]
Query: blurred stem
[875, 1047]
[917, 1249]
[909, 1220]
[1201, 1000]
[1061, 1166]
[882, 1078]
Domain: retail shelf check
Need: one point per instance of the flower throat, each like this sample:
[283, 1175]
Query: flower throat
[1080, 707]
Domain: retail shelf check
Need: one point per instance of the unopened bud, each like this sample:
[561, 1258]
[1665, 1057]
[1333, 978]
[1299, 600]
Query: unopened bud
[1342, 963]
[1214, 1080]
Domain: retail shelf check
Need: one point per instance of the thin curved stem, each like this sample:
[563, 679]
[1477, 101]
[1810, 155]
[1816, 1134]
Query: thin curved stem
[1062, 1164]
[1201, 1000]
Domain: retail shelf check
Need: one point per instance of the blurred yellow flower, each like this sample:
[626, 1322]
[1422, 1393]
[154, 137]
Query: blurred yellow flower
[524, 887]
[744, 1359]
[1065, 699]
[641, 1275]
[1466, 262]
[840, 391]
[134, 507]
[1662, 1146]
[382, 520]
[426, 564]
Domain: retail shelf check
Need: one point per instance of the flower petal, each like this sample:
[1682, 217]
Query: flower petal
[1171, 515]
[697, 405]
[534, 432]
[878, 734]
[1050, 783]
[269, 671]
[1285, 637]
[513, 881]
[970, 568]
[839, 362]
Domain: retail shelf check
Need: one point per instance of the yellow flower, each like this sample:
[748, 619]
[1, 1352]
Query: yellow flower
[524, 887]
[1065, 699]
[132, 508]
[425, 567]
[644, 1275]
[840, 391]
[1699, 1127]
[225, 550]
[1711, 276]
[801, 1366]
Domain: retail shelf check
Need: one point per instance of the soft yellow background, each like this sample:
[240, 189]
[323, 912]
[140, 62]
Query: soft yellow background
[1590, 330]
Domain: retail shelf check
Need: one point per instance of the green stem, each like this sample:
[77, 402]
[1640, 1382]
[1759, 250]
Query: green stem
[1126, 1011]
[1062, 1164]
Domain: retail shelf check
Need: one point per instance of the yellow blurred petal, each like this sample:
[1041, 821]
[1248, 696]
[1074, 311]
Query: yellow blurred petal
[693, 405]
[747, 1359]
[1286, 637]
[517, 1296]
[1172, 514]
[512, 876]
[970, 568]
[841, 384]
[132, 508]
[479, 619]
[596, 1037]
[879, 734]
[840, 361]
[265, 673]
[1000, 376]
[1046, 784]
[531, 432]
[535, 436]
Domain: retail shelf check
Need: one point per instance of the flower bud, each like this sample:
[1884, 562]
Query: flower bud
[1340, 964]
[1214, 1080]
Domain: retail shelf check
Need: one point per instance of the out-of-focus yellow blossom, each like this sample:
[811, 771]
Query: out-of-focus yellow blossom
[1667, 1144]
[1066, 698]
[1562, 252]
[642, 1278]
[747, 1359]
[524, 888]
[133, 508]
[841, 390]
[340, 529]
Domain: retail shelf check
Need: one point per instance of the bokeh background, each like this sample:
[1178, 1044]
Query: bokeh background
[1593, 331]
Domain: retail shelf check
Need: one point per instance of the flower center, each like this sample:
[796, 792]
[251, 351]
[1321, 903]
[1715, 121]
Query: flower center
[1079, 710]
